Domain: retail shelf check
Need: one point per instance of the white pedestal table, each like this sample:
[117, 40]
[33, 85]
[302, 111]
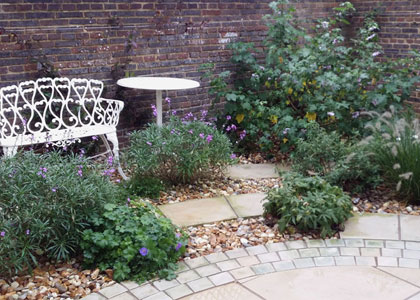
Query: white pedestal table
[158, 84]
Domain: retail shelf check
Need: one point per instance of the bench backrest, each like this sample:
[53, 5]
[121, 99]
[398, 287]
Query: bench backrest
[48, 104]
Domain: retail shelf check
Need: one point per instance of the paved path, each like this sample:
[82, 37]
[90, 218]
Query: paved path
[377, 257]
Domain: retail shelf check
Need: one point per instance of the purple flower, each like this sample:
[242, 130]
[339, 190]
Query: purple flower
[286, 130]
[201, 135]
[168, 100]
[95, 138]
[355, 115]
[178, 246]
[233, 127]
[109, 172]
[154, 110]
[177, 235]
[376, 53]
[190, 131]
[143, 251]
[204, 113]
[174, 112]
[80, 172]
[54, 190]
[233, 156]
[228, 128]
[28, 231]
[242, 135]
[209, 138]
[331, 114]
[335, 41]
[82, 152]
[228, 117]
[117, 181]
[173, 131]
[149, 143]
[65, 148]
[110, 160]
[3, 233]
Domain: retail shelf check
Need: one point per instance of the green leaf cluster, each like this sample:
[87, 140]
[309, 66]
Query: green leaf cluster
[179, 151]
[117, 236]
[322, 77]
[341, 162]
[45, 205]
[308, 203]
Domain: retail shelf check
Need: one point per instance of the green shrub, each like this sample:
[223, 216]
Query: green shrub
[136, 242]
[144, 186]
[395, 145]
[308, 203]
[343, 163]
[179, 151]
[326, 79]
[45, 203]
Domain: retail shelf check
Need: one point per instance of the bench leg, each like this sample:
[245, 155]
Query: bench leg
[9, 151]
[112, 137]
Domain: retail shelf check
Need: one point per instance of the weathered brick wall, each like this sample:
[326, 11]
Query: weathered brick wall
[95, 38]
[400, 27]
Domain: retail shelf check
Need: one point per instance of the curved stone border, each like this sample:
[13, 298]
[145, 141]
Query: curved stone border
[243, 264]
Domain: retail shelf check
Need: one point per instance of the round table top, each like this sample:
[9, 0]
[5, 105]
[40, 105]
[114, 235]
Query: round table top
[158, 83]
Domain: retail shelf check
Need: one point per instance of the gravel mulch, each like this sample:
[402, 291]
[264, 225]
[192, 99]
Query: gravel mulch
[55, 281]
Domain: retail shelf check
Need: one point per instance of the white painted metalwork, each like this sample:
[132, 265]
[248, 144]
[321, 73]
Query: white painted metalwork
[57, 111]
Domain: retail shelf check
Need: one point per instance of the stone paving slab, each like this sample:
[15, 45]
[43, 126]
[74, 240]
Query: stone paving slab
[344, 283]
[410, 226]
[231, 291]
[194, 212]
[255, 171]
[247, 205]
[372, 226]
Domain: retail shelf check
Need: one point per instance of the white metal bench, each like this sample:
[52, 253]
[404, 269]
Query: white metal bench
[57, 111]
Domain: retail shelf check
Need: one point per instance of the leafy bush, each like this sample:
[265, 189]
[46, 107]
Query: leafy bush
[45, 203]
[308, 203]
[326, 79]
[179, 151]
[136, 242]
[143, 186]
[395, 146]
[340, 162]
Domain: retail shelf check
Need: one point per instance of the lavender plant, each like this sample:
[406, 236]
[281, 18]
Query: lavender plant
[45, 203]
[180, 151]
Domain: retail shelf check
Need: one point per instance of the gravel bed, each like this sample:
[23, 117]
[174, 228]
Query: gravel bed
[55, 281]
[237, 233]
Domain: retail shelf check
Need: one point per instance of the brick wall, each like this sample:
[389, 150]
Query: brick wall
[89, 38]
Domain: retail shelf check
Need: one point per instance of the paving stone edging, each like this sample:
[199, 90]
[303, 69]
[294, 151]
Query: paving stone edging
[243, 264]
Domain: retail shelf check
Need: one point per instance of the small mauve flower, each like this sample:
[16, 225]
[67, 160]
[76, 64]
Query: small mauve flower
[228, 117]
[233, 127]
[286, 130]
[95, 138]
[149, 143]
[168, 100]
[228, 128]
[233, 156]
[54, 190]
[178, 235]
[110, 160]
[331, 114]
[65, 148]
[154, 110]
[209, 138]
[178, 246]
[190, 131]
[117, 181]
[28, 232]
[3, 233]
[335, 41]
[355, 115]
[174, 112]
[242, 135]
[201, 135]
[376, 53]
[143, 251]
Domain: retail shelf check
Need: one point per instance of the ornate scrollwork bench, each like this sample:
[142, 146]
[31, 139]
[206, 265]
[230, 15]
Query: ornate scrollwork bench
[57, 111]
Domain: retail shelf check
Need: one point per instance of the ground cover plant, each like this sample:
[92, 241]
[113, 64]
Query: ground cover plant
[345, 163]
[320, 77]
[308, 203]
[135, 241]
[180, 151]
[46, 200]
[395, 145]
